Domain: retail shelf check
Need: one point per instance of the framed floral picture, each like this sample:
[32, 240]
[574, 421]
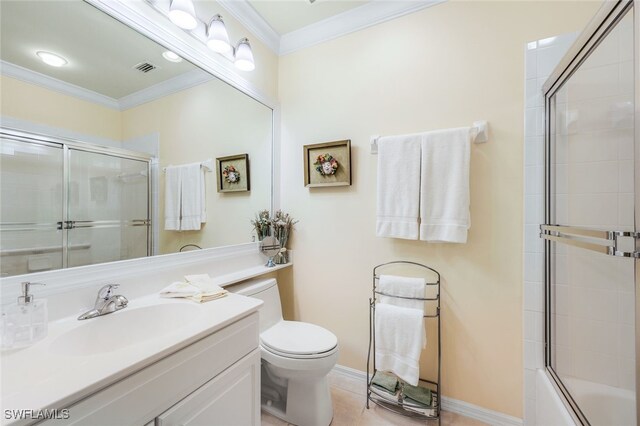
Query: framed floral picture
[327, 164]
[232, 173]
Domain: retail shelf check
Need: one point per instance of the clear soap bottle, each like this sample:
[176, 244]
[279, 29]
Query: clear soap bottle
[25, 322]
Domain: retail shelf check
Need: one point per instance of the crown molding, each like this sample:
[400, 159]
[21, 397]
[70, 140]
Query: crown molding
[369, 14]
[175, 84]
[149, 19]
[253, 21]
[159, 90]
[16, 71]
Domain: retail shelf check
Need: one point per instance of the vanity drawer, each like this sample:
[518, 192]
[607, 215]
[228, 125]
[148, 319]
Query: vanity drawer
[228, 399]
[139, 398]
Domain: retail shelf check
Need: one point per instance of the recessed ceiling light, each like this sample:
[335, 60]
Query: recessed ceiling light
[51, 59]
[171, 57]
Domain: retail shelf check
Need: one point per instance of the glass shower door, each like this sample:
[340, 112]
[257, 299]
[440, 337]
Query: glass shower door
[590, 232]
[108, 208]
[31, 190]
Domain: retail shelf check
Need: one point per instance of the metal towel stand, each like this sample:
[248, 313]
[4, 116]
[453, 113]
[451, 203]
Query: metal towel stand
[401, 406]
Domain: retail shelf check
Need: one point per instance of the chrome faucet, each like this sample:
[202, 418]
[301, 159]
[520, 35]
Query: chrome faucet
[106, 302]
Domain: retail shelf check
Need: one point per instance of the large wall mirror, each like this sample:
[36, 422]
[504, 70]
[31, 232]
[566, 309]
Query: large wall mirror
[94, 117]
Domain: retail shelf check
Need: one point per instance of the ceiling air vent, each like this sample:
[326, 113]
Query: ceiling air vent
[145, 67]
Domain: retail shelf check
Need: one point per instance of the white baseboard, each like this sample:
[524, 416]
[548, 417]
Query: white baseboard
[449, 404]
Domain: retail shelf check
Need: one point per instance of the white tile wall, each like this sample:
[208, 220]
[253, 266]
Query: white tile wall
[541, 57]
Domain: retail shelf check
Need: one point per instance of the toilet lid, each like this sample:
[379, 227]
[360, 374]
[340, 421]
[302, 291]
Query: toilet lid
[298, 338]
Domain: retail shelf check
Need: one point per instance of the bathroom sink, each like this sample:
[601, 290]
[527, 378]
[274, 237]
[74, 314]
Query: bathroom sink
[125, 328]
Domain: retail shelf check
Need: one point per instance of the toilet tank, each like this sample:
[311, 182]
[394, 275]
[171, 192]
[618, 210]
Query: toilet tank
[267, 291]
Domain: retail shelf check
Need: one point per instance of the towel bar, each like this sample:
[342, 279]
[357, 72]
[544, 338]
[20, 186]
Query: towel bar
[206, 164]
[479, 134]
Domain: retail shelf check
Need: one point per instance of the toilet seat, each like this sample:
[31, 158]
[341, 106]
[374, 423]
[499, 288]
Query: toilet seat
[300, 340]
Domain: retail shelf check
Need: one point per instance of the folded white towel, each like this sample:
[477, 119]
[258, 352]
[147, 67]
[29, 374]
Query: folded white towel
[398, 186]
[404, 287]
[172, 196]
[444, 186]
[180, 289]
[193, 200]
[199, 289]
[398, 341]
[202, 281]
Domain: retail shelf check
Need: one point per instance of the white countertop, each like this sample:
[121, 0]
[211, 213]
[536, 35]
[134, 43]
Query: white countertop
[39, 377]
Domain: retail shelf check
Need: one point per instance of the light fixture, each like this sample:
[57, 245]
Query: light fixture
[183, 14]
[217, 37]
[171, 57]
[243, 56]
[51, 58]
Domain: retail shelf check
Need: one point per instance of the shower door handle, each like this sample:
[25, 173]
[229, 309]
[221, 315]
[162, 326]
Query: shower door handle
[612, 243]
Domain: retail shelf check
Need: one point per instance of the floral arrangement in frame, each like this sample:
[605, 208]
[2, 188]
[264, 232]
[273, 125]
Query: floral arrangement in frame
[327, 164]
[232, 173]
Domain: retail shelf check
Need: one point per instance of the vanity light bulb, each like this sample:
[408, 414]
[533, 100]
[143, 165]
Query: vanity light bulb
[51, 59]
[183, 14]
[244, 57]
[218, 39]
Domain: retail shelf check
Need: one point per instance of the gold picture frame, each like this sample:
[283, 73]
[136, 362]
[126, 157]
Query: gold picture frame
[239, 163]
[340, 151]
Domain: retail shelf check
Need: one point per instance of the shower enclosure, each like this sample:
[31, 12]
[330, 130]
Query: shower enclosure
[66, 203]
[591, 228]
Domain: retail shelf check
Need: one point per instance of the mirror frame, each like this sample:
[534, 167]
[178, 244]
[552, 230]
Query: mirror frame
[143, 18]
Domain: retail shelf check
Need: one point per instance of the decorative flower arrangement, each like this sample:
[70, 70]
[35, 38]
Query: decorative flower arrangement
[326, 165]
[279, 226]
[262, 224]
[231, 174]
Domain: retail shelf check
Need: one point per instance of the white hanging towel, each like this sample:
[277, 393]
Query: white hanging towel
[193, 203]
[408, 288]
[444, 186]
[398, 186]
[398, 341]
[172, 197]
[404, 287]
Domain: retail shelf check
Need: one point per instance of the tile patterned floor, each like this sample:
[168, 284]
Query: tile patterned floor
[349, 397]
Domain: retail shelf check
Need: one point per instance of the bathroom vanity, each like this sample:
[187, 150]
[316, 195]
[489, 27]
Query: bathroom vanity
[175, 361]
[159, 361]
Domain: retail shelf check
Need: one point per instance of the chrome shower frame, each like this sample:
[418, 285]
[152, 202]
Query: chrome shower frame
[609, 15]
[67, 144]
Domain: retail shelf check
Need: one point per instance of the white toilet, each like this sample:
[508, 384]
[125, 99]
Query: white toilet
[296, 358]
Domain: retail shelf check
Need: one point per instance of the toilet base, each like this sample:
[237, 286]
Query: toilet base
[307, 399]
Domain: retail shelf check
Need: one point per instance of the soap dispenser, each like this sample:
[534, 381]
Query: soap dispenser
[25, 322]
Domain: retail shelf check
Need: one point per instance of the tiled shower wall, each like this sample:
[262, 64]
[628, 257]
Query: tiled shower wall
[541, 58]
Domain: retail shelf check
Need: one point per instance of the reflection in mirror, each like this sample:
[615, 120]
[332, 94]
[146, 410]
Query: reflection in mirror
[92, 113]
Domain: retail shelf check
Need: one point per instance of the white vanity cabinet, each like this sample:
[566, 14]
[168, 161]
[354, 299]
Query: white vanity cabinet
[222, 401]
[214, 381]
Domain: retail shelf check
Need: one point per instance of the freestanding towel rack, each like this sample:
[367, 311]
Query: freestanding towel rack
[432, 311]
[479, 134]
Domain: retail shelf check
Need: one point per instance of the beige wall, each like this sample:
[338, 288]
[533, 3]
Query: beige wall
[29, 102]
[208, 121]
[442, 67]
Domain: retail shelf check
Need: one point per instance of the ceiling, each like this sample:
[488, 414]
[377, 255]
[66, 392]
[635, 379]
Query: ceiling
[287, 16]
[101, 52]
